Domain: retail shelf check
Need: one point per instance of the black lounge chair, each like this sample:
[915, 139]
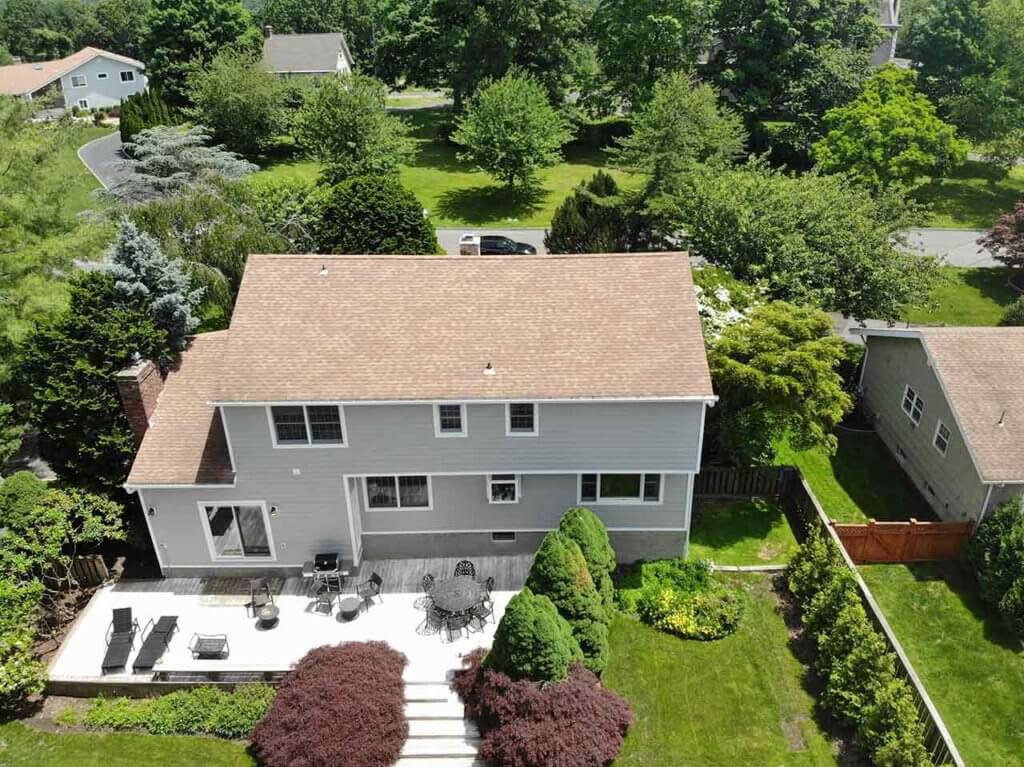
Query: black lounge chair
[120, 639]
[155, 643]
[465, 567]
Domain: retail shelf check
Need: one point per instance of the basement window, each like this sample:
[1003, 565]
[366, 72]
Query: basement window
[506, 537]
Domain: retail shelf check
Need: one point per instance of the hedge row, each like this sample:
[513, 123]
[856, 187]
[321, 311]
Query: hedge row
[199, 711]
[996, 553]
[861, 686]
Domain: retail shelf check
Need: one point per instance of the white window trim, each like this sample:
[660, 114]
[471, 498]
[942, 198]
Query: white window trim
[398, 494]
[462, 416]
[638, 501]
[85, 81]
[83, 104]
[508, 419]
[499, 541]
[309, 432]
[917, 398]
[214, 556]
[102, 75]
[488, 488]
[127, 71]
[935, 437]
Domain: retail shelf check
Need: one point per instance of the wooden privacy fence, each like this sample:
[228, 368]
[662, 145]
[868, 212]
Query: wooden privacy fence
[911, 541]
[89, 570]
[741, 482]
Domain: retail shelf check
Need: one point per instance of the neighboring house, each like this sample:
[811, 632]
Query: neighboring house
[312, 55]
[889, 19]
[417, 406]
[89, 79]
[949, 404]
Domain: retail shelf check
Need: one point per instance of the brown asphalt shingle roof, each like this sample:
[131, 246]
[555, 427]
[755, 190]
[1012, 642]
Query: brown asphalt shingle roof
[981, 370]
[21, 79]
[185, 442]
[424, 327]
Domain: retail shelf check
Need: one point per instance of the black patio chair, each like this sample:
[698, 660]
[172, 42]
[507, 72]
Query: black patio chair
[454, 624]
[488, 587]
[324, 598]
[479, 614]
[432, 623]
[425, 601]
[209, 646]
[465, 567]
[155, 643]
[259, 594]
[120, 639]
[370, 588]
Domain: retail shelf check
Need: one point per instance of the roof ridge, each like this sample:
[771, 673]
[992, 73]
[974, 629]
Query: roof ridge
[459, 257]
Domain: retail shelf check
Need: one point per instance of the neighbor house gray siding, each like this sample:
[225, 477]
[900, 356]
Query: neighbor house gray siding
[950, 482]
[107, 92]
[306, 486]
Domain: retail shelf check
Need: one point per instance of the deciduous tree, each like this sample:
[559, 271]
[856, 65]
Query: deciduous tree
[510, 129]
[1005, 241]
[598, 218]
[889, 133]
[775, 374]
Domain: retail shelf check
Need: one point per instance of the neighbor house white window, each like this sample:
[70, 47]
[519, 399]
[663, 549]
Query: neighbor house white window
[620, 488]
[912, 405]
[78, 81]
[410, 491]
[237, 530]
[83, 103]
[449, 420]
[521, 419]
[101, 75]
[941, 438]
[305, 425]
[503, 488]
[127, 76]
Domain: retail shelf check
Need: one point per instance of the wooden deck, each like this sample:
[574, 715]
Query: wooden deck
[400, 576]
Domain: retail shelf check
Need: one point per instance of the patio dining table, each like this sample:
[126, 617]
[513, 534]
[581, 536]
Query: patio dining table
[457, 595]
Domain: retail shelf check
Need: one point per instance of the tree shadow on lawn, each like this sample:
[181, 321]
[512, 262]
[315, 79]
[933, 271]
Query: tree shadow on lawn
[722, 524]
[487, 203]
[875, 482]
[975, 193]
[963, 584]
[991, 283]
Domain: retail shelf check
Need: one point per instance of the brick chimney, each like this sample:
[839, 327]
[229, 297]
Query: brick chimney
[268, 32]
[139, 387]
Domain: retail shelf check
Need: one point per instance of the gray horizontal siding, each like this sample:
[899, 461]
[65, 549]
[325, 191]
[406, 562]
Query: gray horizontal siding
[950, 482]
[653, 436]
[460, 503]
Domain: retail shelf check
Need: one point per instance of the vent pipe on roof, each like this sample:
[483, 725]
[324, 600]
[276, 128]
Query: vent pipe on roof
[489, 369]
[323, 270]
[1002, 419]
[268, 32]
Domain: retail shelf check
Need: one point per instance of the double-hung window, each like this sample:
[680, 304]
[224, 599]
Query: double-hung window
[620, 488]
[237, 530]
[941, 438]
[521, 419]
[503, 488]
[303, 425]
[78, 81]
[449, 420]
[127, 76]
[912, 405]
[408, 491]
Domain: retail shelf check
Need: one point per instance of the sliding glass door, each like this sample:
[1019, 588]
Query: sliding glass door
[238, 531]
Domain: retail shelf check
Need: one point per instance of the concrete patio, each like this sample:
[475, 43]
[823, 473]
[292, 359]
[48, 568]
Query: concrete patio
[218, 606]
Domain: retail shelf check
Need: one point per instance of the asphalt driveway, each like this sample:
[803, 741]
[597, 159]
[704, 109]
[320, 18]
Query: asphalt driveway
[104, 158]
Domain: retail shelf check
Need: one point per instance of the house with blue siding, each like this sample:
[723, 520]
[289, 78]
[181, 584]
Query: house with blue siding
[420, 406]
[89, 79]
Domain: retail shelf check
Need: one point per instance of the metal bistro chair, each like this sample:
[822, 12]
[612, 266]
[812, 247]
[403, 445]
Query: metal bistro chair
[488, 588]
[431, 624]
[369, 589]
[259, 594]
[426, 600]
[454, 624]
[465, 567]
[479, 614]
[324, 598]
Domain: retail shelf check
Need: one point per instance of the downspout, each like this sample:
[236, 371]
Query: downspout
[984, 506]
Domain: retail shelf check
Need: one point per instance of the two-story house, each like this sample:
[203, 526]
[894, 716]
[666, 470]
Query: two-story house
[949, 404]
[415, 406]
[89, 79]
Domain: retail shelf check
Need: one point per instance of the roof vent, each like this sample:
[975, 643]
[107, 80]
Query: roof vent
[489, 369]
[1002, 419]
[323, 270]
[38, 67]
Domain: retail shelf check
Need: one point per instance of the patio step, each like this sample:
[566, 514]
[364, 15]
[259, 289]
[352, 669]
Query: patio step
[443, 761]
[424, 691]
[433, 709]
[442, 728]
[438, 748]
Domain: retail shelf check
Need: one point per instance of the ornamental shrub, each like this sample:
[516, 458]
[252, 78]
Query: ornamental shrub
[703, 615]
[374, 215]
[573, 723]
[890, 729]
[1013, 315]
[996, 554]
[588, 531]
[560, 572]
[339, 705]
[20, 493]
[810, 567]
[532, 640]
[856, 663]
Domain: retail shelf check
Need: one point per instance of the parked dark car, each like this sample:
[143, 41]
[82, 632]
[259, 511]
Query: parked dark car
[499, 245]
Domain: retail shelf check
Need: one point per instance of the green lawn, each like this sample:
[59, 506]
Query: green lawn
[735, 702]
[972, 669]
[21, 746]
[967, 297]
[741, 533]
[973, 196]
[861, 481]
[80, 182]
[456, 194]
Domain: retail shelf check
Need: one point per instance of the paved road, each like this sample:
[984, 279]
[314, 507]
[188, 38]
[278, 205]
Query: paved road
[103, 157]
[955, 247]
